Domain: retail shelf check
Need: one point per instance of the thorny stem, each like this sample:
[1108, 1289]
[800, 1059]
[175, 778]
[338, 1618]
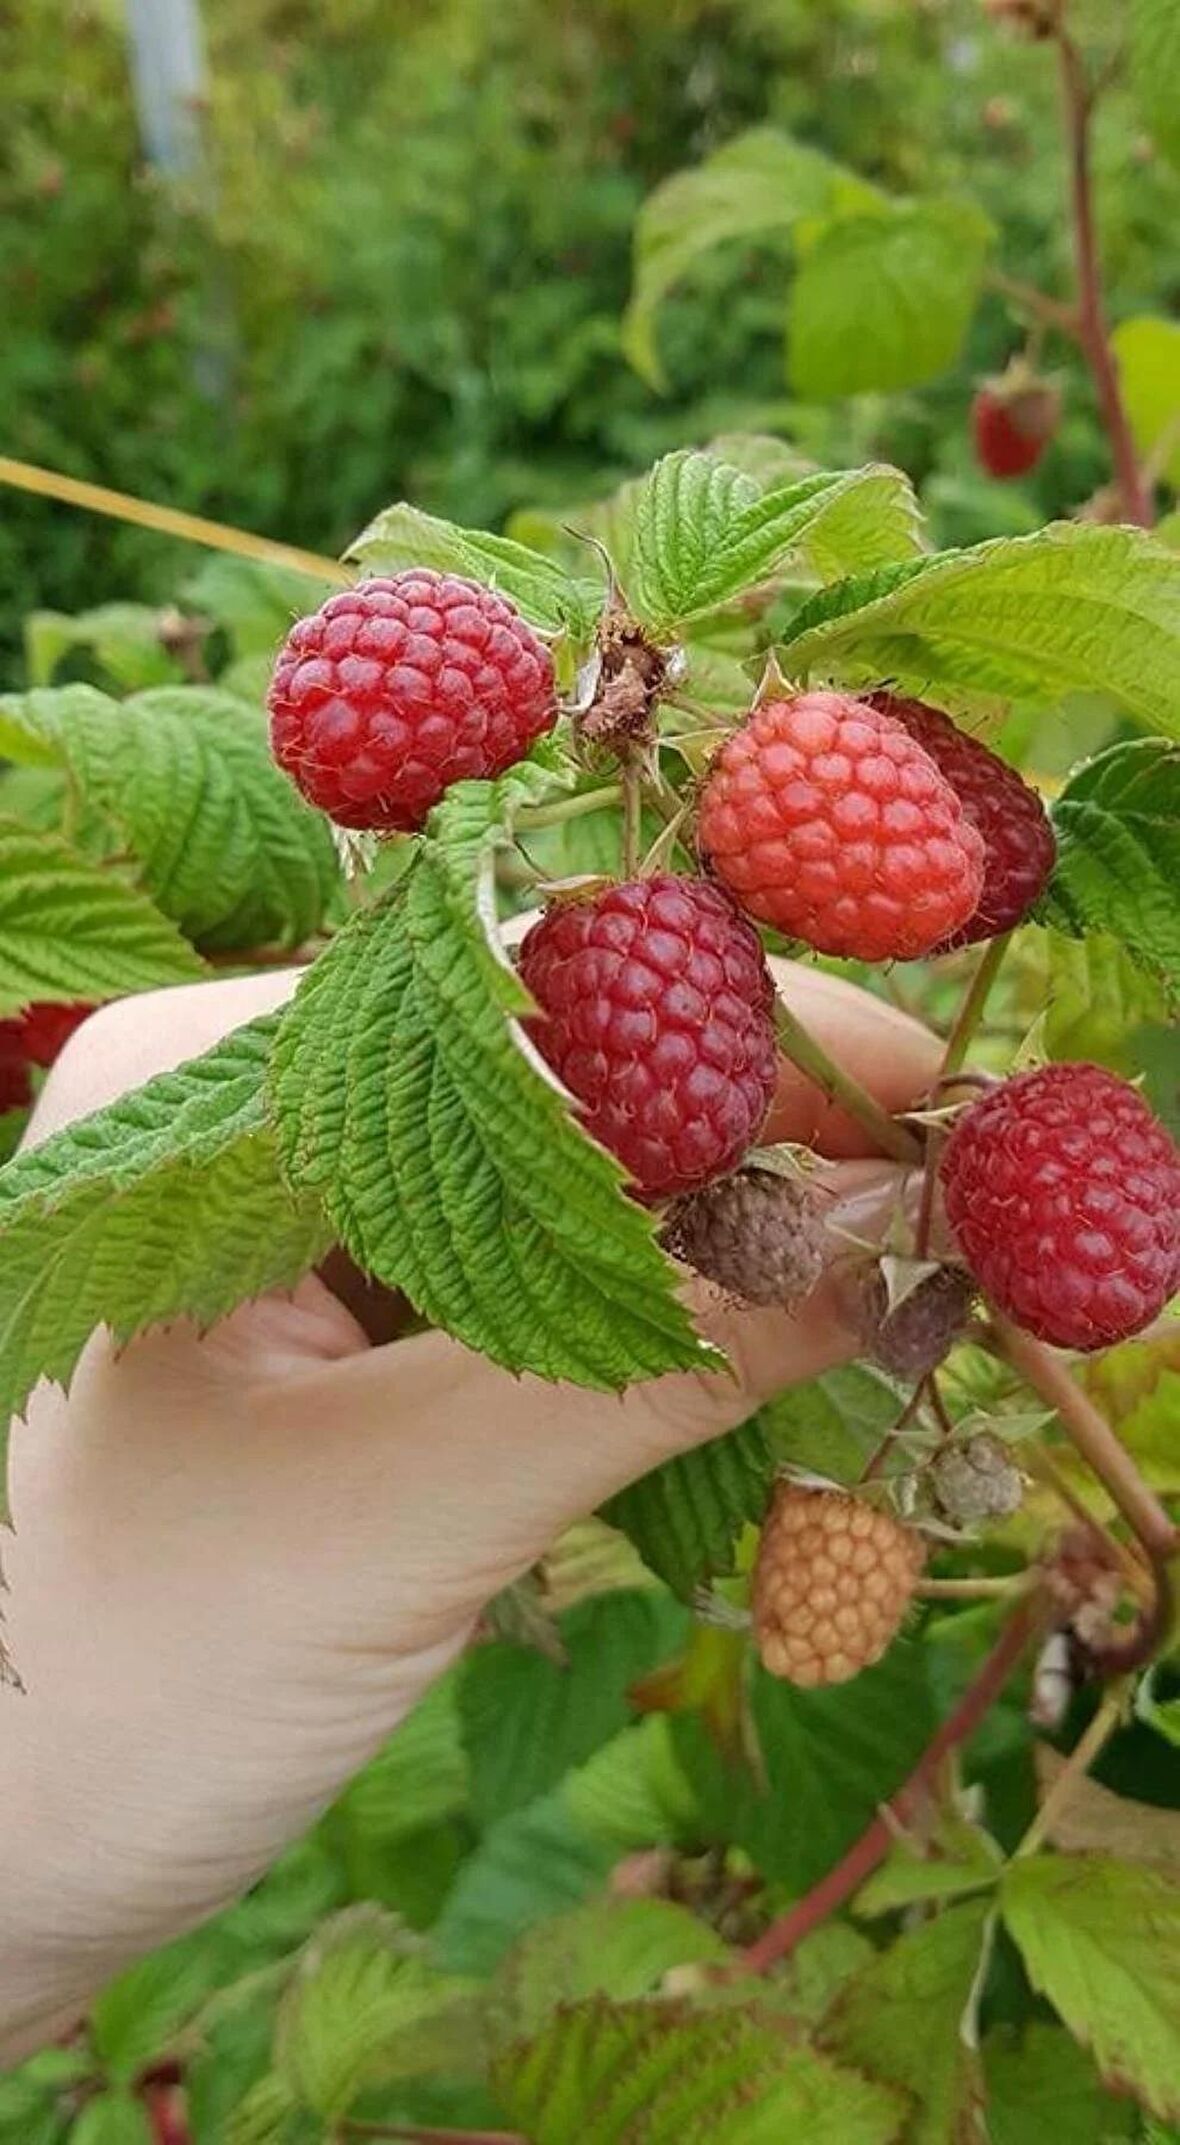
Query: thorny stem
[1078, 99]
[874, 1843]
[555, 815]
[1077, 1765]
[1091, 1434]
[812, 1059]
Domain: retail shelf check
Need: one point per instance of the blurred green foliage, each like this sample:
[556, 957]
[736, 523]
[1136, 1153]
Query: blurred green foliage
[405, 269]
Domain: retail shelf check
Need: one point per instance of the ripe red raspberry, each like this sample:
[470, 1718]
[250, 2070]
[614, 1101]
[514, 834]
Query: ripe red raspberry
[1019, 847]
[756, 1234]
[1063, 1191]
[16, 1088]
[395, 689]
[1012, 424]
[656, 1012]
[825, 818]
[46, 1029]
[833, 1581]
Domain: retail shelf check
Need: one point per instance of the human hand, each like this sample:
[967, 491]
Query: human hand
[241, 1557]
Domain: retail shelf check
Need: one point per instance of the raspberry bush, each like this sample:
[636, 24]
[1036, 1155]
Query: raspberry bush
[814, 1701]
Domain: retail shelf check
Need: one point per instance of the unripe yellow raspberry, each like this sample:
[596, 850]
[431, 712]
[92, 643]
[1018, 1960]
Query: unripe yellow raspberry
[834, 1579]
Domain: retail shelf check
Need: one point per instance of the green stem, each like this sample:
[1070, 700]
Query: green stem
[632, 835]
[801, 1047]
[970, 1013]
[1077, 1765]
[555, 815]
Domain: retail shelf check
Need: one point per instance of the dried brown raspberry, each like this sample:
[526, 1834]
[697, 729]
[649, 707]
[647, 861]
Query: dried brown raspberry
[758, 1234]
[976, 1479]
[833, 1581]
[919, 1332]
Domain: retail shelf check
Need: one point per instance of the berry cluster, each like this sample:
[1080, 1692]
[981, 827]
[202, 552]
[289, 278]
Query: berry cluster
[33, 1039]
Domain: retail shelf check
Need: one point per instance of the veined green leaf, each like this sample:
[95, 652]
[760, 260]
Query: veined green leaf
[610, 1947]
[169, 1203]
[1147, 352]
[548, 597]
[685, 1517]
[1118, 853]
[537, 1862]
[904, 2016]
[1075, 606]
[69, 929]
[610, 2074]
[757, 187]
[446, 1155]
[1044, 2086]
[124, 638]
[1155, 69]
[1101, 1939]
[1097, 999]
[702, 530]
[224, 843]
[634, 1792]
[884, 301]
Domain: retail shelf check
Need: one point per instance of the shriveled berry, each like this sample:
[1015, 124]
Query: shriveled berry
[656, 1012]
[825, 818]
[913, 1338]
[758, 1234]
[1063, 1191]
[46, 1028]
[1019, 847]
[833, 1581]
[975, 1479]
[395, 689]
[1012, 425]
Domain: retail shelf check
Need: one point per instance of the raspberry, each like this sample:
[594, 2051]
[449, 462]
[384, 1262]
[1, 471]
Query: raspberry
[16, 1088]
[656, 1012]
[1012, 422]
[913, 1338]
[826, 819]
[833, 1581]
[757, 1234]
[976, 1480]
[395, 689]
[46, 1029]
[1019, 847]
[1063, 1191]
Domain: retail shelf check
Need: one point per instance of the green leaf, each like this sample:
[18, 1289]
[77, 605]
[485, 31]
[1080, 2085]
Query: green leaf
[135, 2018]
[958, 1857]
[446, 1155]
[1076, 606]
[1101, 1939]
[685, 1517]
[1118, 859]
[616, 1948]
[167, 1204]
[264, 2116]
[125, 640]
[1096, 1000]
[834, 1423]
[634, 1792]
[1041, 2085]
[1155, 70]
[115, 2118]
[905, 2018]
[223, 841]
[755, 188]
[252, 601]
[703, 531]
[1147, 351]
[70, 930]
[420, 1778]
[661, 2074]
[527, 1719]
[829, 1759]
[1162, 1714]
[402, 535]
[362, 2010]
[884, 301]
[537, 1862]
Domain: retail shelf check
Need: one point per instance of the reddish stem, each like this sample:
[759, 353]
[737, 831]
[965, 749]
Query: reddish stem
[1092, 331]
[874, 1844]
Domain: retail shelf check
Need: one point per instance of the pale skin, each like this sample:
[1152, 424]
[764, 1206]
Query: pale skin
[240, 1559]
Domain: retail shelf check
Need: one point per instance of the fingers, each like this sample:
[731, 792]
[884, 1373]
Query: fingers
[895, 1057]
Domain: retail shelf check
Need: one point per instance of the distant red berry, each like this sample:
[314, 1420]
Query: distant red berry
[46, 1029]
[825, 818]
[395, 689]
[1063, 1192]
[1019, 848]
[16, 1087]
[656, 1013]
[1012, 425]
